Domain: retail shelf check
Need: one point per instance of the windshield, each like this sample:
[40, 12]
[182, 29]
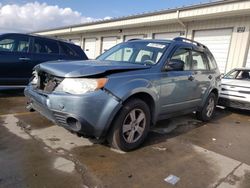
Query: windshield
[238, 75]
[139, 52]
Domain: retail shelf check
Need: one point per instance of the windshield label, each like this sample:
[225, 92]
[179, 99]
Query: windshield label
[156, 45]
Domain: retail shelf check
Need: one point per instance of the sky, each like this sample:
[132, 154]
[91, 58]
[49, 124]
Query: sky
[28, 15]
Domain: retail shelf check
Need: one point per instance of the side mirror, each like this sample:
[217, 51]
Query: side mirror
[175, 65]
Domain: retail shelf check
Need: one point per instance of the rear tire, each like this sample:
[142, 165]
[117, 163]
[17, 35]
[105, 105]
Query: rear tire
[130, 126]
[207, 111]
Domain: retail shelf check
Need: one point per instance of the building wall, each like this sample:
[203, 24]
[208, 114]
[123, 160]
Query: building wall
[239, 44]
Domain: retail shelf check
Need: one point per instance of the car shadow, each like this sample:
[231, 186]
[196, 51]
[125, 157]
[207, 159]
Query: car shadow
[238, 111]
[175, 127]
[15, 92]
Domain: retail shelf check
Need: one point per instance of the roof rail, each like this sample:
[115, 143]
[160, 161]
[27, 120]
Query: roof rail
[190, 41]
[134, 39]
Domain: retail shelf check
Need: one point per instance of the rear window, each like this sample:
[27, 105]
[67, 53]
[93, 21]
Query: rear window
[199, 61]
[212, 63]
[45, 46]
[66, 50]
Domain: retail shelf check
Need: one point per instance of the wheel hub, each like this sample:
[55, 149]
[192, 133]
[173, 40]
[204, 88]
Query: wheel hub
[134, 125]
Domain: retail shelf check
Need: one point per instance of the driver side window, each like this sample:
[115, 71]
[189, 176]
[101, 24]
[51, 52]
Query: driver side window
[14, 44]
[183, 55]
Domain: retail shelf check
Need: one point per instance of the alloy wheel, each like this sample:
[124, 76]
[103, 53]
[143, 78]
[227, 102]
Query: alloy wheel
[134, 125]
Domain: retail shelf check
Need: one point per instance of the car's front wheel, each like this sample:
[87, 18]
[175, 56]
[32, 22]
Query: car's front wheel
[130, 126]
[208, 109]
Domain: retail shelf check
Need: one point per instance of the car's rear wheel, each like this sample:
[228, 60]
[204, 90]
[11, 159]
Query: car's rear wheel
[207, 112]
[130, 126]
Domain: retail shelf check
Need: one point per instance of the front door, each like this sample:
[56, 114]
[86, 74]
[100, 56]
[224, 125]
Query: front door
[14, 59]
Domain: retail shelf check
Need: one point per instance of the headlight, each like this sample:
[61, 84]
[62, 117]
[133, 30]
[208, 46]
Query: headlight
[81, 85]
[34, 78]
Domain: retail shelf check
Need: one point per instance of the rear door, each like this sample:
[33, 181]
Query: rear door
[202, 74]
[15, 59]
[178, 88]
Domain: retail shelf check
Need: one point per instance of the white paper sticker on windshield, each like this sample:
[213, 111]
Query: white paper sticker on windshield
[156, 45]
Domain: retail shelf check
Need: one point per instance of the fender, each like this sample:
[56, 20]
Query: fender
[206, 95]
[135, 86]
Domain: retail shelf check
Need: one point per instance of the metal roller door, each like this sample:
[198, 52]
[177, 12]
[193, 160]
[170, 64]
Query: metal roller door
[90, 48]
[218, 41]
[248, 59]
[108, 42]
[129, 37]
[166, 36]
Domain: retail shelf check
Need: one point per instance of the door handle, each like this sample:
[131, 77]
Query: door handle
[190, 78]
[210, 77]
[24, 59]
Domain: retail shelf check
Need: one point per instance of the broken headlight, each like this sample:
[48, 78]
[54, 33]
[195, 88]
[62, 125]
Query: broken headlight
[80, 85]
[34, 80]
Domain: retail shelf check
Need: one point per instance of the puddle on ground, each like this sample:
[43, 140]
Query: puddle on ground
[11, 123]
[25, 163]
[57, 137]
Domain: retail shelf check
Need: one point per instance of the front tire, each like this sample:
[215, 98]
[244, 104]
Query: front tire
[130, 126]
[207, 112]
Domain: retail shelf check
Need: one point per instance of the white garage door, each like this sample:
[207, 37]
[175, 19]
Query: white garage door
[76, 41]
[108, 42]
[90, 48]
[218, 41]
[166, 36]
[248, 59]
[129, 37]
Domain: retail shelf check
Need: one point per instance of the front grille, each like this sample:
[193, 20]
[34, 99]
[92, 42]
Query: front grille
[47, 82]
[60, 119]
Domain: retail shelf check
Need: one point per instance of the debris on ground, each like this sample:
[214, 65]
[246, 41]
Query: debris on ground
[172, 179]
[214, 139]
[130, 176]
[159, 148]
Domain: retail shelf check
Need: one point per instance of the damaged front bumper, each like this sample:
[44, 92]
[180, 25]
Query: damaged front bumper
[90, 114]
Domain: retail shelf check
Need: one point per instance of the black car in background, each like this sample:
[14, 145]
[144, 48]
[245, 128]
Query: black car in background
[19, 53]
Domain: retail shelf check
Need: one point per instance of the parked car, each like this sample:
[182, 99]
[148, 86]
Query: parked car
[19, 53]
[127, 89]
[235, 89]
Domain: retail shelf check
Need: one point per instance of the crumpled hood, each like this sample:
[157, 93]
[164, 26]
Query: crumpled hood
[85, 68]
